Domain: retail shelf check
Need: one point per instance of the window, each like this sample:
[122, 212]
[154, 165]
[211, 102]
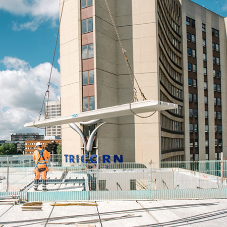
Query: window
[219, 101]
[215, 115]
[85, 78]
[215, 101]
[193, 23]
[87, 51]
[204, 42]
[218, 61]
[187, 21]
[191, 127]
[215, 128]
[206, 114]
[195, 112]
[217, 33]
[214, 59]
[83, 4]
[193, 38]
[86, 3]
[206, 128]
[194, 68]
[87, 25]
[214, 73]
[212, 31]
[189, 81]
[190, 97]
[219, 128]
[194, 83]
[219, 115]
[203, 27]
[188, 36]
[88, 77]
[190, 112]
[195, 127]
[217, 47]
[213, 46]
[218, 74]
[204, 71]
[195, 97]
[219, 88]
[206, 143]
[90, 24]
[193, 53]
[189, 66]
[196, 142]
[191, 143]
[220, 142]
[189, 51]
[205, 85]
[215, 87]
[205, 99]
[204, 57]
[88, 103]
[132, 184]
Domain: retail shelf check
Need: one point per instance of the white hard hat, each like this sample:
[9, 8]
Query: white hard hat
[38, 144]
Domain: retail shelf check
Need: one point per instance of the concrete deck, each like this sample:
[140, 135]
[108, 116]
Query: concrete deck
[197, 213]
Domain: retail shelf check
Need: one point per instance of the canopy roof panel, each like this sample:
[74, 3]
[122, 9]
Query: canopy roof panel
[104, 113]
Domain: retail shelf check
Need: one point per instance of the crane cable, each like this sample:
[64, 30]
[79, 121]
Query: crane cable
[47, 93]
[126, 59]
[131, 73]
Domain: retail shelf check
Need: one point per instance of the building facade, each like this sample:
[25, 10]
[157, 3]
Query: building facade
[30, 145]
[52, 110]
[154, 34]
[19, 139]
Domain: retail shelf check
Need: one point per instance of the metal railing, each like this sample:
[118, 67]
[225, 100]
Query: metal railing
[115, 181]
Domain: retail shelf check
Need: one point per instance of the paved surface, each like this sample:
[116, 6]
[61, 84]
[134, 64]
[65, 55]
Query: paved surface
[196, 213]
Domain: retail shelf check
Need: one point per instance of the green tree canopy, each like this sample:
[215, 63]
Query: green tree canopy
[8, 149]
[52, 147]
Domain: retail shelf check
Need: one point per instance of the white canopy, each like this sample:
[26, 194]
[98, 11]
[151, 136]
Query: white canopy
[108, 112]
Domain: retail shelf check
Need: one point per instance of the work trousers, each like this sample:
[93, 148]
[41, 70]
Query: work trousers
[43, 173]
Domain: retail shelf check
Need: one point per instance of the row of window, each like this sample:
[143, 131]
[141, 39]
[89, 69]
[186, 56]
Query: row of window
[86, 3]
[194, 112]
[205, 99]
[171, 143]
[194, 143]
[88, 77]
[194, 128]
[172, 72]
[178, 111]
[191, 22]
[172, 89]
[170, 124]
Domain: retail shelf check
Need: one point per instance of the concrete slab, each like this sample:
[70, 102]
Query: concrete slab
[196, 213]
[104, 113]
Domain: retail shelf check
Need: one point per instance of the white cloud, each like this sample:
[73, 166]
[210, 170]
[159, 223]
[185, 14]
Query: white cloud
[22, 90]
[39, 10]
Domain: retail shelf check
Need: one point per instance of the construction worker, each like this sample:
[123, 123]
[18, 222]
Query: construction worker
[40, 157]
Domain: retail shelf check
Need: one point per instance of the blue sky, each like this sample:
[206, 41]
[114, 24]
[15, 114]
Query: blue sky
[28, 30]
[217, 6]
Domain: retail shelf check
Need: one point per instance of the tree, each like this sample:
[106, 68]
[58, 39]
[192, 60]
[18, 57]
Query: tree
[8, 149]
[52, 147]
[59, 151]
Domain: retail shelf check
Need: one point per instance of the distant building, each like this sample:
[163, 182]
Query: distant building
[19, 139]
[52, 110]
[2, 142]
[30, 145]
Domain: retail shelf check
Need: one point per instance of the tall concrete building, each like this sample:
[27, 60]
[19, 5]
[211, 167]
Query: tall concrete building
[52, 110]
[155, 34]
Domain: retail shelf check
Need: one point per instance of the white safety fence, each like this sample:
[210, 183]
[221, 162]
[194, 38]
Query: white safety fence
[106, 181]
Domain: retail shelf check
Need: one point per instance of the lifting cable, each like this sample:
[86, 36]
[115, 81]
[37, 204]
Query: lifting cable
[47, 93]
[131, 73]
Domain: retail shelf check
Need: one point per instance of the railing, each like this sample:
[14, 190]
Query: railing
[115, 181]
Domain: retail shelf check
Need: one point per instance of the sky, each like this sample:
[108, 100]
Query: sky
[28, 30]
